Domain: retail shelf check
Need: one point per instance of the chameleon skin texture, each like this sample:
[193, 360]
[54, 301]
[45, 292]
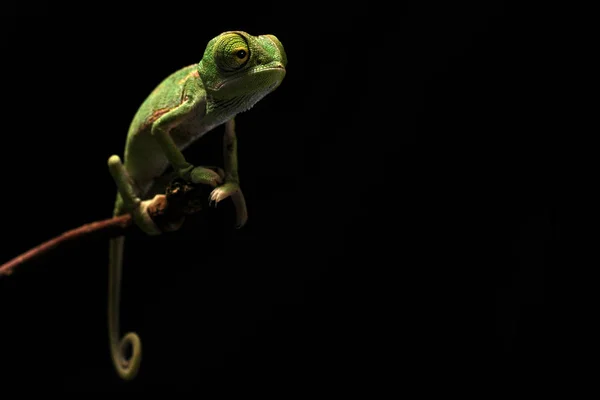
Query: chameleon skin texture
[236, 71]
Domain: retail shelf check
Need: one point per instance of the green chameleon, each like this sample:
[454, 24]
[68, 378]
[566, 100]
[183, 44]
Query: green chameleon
[236, 71]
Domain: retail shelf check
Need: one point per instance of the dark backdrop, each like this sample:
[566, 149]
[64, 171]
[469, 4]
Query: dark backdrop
[401, 187]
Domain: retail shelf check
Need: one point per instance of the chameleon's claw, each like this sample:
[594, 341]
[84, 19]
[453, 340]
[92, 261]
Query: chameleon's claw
[231, 189]
[224, 191]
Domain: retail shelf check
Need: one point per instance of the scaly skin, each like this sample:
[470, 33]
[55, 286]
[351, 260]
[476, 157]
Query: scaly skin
[236, 71]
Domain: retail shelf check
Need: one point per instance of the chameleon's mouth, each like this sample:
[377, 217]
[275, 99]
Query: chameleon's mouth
[267, 67]
[272, 72]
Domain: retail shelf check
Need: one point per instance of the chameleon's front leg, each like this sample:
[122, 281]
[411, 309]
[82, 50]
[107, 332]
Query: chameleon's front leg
[161, 132]
[231, 187]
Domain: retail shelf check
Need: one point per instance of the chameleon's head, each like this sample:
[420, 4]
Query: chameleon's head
[238, 65]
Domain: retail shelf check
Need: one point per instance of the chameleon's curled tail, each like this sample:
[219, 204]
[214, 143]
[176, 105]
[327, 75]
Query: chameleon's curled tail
[126, 368]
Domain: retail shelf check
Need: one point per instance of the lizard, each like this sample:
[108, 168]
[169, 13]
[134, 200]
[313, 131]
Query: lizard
[235, 72]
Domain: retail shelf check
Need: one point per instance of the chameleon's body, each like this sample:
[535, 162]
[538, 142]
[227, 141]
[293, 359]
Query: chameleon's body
[235, 72]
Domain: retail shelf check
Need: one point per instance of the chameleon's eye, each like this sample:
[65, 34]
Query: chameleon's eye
[231, 52]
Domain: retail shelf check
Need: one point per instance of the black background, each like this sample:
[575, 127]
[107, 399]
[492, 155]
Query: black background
[403, 187]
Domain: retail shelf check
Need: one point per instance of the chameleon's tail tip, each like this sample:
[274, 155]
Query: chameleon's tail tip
[128, 368]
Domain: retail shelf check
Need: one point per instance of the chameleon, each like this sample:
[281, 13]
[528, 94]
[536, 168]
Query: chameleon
[235, 72]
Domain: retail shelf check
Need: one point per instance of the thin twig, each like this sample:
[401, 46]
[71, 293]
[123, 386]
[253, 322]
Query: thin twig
[111, 227]
[167, 211]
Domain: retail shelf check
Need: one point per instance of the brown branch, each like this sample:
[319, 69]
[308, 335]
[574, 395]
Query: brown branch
[168, 212]
[113, 227]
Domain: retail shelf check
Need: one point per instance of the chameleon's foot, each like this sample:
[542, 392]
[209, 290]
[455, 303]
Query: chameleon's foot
[231, 189]
[222, 192]
[201, 175]
[142, 219]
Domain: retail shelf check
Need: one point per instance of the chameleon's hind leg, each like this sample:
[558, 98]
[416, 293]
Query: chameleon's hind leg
[128, 201]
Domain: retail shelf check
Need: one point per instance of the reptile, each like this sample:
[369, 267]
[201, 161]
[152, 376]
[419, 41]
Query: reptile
[235, 72]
